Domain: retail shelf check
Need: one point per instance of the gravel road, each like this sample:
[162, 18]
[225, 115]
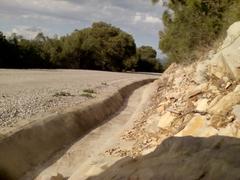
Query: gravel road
[26, 94]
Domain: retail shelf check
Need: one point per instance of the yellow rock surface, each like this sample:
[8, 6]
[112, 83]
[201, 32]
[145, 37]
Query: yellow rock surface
[165, 120]
[197, 127]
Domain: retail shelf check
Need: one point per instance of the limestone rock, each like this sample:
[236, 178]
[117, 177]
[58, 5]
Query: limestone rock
[227, 60]
[198, 126]
[202, 105]
[152, 124]
[231, 130]
[147, 151]
[166, 120]
[225, 79]
[237, 89]
[233, 33]
[219, 67]
[224, 105]
[214, 101]
[198, 90]
[201, 72]
[236, 112]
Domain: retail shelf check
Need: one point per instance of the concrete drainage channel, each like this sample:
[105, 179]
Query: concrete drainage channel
[37, 142]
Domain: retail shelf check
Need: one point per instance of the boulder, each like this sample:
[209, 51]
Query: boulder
[224, 105]
[227, 61]
[198, 127]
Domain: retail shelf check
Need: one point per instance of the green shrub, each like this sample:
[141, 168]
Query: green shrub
[193, 25]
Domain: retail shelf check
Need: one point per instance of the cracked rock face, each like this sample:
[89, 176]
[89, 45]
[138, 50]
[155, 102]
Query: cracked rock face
[227, 60]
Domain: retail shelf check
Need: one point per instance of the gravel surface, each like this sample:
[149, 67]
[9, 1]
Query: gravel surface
[26, 94]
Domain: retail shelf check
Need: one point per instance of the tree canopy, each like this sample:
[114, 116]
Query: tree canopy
[100, 47]
[190, 25]
[147, 59]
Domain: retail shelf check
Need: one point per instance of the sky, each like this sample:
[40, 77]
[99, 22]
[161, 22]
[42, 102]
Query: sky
[140, 18]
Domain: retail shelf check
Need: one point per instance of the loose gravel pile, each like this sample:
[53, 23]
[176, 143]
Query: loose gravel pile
[26, 94]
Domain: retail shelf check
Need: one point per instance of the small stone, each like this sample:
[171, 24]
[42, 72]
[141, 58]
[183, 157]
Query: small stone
[225, 79]
[198, 90]
[214, 89]
[160, 109]
[231, 118]
[58, 177]
[228, 85]
[202, 105]
[147, 151]
[208, 117]
[165, 120]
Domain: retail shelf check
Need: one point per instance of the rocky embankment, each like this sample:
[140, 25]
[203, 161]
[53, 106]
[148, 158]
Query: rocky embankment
[198, 100]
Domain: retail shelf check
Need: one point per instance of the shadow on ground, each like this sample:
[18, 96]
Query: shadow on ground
[187, 158]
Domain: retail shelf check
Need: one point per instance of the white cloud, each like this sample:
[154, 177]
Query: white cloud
[152, 19]
[146, 18]
[137, 18]
[26, 32]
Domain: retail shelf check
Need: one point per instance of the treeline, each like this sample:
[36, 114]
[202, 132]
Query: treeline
[194, 25]
[99, 47]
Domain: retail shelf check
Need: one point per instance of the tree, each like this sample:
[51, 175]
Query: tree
[100, 47]
[192, 25]
[147, 60]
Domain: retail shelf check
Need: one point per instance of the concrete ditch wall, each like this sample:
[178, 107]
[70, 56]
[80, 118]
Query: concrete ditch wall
[37, 142]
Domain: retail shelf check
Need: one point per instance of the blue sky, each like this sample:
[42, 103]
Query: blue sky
[28, 17]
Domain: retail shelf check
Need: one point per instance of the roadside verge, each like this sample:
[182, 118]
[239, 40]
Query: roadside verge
[36, 142]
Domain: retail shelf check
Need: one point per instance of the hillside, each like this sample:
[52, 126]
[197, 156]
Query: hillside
[200, 100]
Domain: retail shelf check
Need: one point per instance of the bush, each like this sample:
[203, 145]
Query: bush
[191, 25]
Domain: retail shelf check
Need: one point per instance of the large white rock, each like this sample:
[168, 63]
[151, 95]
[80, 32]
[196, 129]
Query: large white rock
[227, 60]
[233, 33]
[225, 104]
[198, 127]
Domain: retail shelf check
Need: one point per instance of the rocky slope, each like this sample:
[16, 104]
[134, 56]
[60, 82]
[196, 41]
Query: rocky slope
[198, 100]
